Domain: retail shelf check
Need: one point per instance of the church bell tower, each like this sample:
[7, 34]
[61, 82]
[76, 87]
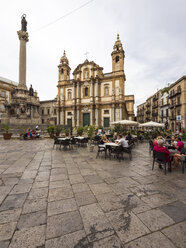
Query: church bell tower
[118, 55]
[64, 68]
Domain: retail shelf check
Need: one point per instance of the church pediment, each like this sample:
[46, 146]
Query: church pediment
[91, 65]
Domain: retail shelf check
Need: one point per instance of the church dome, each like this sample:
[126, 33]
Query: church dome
[64, 59]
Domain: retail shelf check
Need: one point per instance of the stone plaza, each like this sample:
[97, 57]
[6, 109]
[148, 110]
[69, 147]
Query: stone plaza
[57, 199]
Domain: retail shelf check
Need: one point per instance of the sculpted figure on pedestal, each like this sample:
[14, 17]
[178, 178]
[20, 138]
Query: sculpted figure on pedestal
[23, 23]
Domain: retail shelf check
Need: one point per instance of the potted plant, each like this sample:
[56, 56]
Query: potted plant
[90, 134]
[51, 131]
[6, 135]
[58, 130]
[67, 132]
[80, 131]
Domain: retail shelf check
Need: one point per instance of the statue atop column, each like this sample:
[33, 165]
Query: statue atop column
[23, 23]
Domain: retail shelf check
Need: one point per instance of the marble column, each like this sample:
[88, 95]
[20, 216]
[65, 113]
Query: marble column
[97, 91]
[77, 95]
[63, 117]
[23, 37]
[91, 91]
[112, 114]
[97, 115]
[120, 112]
[91, 115]
[78, 113]
[73, 93]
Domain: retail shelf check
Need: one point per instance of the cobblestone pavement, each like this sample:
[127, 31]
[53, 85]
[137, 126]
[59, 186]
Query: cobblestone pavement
[58, 199]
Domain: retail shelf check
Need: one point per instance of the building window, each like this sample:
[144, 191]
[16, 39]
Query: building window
[86, 91]
[42, 121]
[106, 111]
[167, 112]
[106, 91]
[48, 111]
[178, 112]
[69, 95]
[55, 111]
[3, 93]
[67, 73]
[69, 113]
[62, 71]
[42, 111]
[117, 59]
[178, 100]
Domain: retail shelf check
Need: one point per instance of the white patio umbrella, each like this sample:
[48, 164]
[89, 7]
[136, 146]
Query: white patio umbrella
[125, 122]
[152, 124]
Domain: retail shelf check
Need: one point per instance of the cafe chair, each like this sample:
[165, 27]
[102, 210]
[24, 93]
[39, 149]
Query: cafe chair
[56, 142]
[160, 158]
[101, 148]
[128, 150]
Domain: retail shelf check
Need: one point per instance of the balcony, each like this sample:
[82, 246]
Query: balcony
[155, 98]
[176, 92]
[148, 105]
[148, 112]
[155, 106]
[178, 104]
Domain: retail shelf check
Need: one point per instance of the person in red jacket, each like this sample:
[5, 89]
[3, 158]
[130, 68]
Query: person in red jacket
[161, 148]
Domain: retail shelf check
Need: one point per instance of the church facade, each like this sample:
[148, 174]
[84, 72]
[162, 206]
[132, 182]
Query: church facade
[93, 97]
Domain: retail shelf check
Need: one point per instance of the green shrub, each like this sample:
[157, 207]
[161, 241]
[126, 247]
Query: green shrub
[80, 130]
[6, 127]
[51, 129]
[58, 129]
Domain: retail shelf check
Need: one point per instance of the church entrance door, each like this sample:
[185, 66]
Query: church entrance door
[86, 119]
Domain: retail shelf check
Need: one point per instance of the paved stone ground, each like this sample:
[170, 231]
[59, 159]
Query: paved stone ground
[60, 199]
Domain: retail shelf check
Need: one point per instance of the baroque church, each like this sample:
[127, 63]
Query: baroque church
[93, 97]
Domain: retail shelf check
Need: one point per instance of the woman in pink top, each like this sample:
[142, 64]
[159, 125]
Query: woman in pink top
[179, 144]
[161, 148]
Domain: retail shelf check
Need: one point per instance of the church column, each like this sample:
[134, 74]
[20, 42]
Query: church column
[97, 92]
[91, 115]
[63, 117]
[97, 114]
[77, 96]
[112, 114]
[78, 113]
[91, 90]
[120, 112]
[74, 93]
[74, 117]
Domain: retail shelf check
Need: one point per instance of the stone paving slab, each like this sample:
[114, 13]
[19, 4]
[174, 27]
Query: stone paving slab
[55, 198]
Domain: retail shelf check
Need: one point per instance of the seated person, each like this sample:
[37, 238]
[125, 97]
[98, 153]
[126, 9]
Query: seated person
[160, 148]
[33, 133]
[179, 145]
[122, 141]
[156, 139]
[128, 136]
[103, 138]
[177, 156]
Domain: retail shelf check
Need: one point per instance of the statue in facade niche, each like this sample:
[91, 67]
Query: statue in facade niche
[31, 91]
[23, 23]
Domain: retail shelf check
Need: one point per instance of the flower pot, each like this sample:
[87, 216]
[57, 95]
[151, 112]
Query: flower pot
[7, 136]
[57, 134]
[51, 135]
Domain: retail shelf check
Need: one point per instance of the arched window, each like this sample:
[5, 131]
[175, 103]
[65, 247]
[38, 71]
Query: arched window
[69, 95]
[117, 59]
[67, 73]
[106, 91]
[86, 91]
[62, 71]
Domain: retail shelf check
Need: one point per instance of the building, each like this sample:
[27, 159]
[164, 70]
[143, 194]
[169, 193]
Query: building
[48, 112]
[141, 112]
[93, 97]
[177, 107]
[6, 87]
[167, 105]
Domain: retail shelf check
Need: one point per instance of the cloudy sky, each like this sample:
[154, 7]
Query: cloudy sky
[153, 33]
